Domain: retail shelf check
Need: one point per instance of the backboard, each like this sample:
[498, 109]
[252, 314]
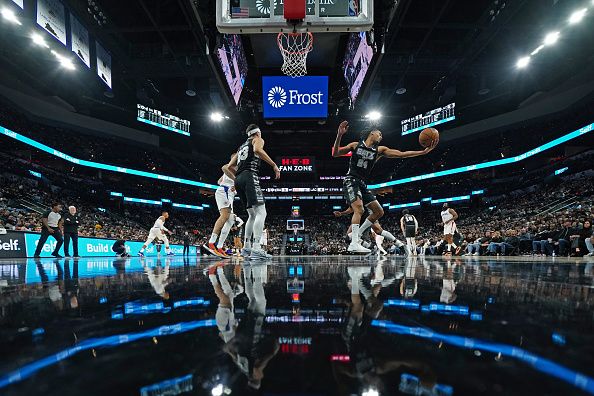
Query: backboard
[266, 16]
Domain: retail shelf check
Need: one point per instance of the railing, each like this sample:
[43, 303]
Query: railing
[557, 205]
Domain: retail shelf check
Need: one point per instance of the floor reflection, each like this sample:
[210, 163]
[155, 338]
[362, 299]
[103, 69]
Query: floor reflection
[330, 325]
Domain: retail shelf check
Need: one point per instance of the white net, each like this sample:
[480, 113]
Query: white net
[294, 47]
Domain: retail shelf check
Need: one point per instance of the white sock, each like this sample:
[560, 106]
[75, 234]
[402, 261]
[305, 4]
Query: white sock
[167, 249]
[364, 227]
[213, 238]
[355, 234]
[141, 249]
[225, 232]
[259, 221]
[388, 235]
[248, 229]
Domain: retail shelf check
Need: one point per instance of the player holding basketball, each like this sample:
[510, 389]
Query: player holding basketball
[365, 153]
[449, 217]
[409, 227]
[247, 184]
[158, 231]
[224, 196]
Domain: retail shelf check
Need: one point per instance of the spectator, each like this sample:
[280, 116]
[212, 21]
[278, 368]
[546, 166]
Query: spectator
[540, 244]
[579, 238]
[589, 242]
[186, 243]
[495, 243]
[511, 243]
[119, 248]
[526, 238]
[71, 223]
[562, 239]
[52, 225]
[473, 247]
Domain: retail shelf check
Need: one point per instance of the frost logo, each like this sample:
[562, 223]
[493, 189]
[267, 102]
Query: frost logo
[263, 6]
[277, 97]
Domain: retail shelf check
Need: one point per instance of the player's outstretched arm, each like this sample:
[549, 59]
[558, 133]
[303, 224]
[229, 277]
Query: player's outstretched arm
[337, 151]
[393, 153]
[230, 168]
[258, 144]
[348, 211]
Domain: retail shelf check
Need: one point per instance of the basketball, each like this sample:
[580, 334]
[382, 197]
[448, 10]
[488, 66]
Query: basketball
[427, 136]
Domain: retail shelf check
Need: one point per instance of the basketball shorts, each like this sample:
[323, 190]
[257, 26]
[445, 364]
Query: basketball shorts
[449, 229]
[224, 197]
[410, 231]
[354, 188]
[247, 185]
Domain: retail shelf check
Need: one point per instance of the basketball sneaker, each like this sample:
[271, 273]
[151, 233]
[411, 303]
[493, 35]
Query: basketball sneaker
[246, 252]
[141, 254]
[222, 253]
[357, 248]
[260, 254]
[170, 254]
[212, 249]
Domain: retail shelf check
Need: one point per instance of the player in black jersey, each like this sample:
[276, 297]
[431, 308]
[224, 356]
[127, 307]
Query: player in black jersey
[409, 227]
[365, 154]
[247, 184]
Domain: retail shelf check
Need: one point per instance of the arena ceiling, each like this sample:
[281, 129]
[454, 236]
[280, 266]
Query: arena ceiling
[437, 50]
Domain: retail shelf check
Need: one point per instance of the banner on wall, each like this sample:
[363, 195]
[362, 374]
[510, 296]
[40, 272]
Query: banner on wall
[93, 247]
[12, 245]
[51, 17]
[103, 65]
[19, 3]
[80, 40]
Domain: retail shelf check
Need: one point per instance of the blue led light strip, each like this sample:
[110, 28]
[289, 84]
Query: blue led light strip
[98, 165]
[489, 164]
[153, 202]
[102, 342]
[539, 363]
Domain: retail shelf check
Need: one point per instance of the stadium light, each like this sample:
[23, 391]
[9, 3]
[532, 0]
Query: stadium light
[39, 40]
[217, 117]
[523, 62]
[217, 390]
[577, 16]
[9, 15]
[551, 38]
[65, 62]
[373, 115]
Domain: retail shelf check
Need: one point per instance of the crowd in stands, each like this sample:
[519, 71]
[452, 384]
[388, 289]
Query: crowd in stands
[525, 221]
[103, 149]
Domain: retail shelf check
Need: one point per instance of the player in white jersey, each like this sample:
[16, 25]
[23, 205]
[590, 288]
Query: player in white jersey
[158, 231]
[449, 217]
[224, 196]
[225, 315]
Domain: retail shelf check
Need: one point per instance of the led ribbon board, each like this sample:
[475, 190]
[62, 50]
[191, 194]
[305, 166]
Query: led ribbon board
[162, 120]
[98, 165]
[489, 164]
[429, 119]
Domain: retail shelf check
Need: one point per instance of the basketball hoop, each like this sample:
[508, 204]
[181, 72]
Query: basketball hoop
[294, 48]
